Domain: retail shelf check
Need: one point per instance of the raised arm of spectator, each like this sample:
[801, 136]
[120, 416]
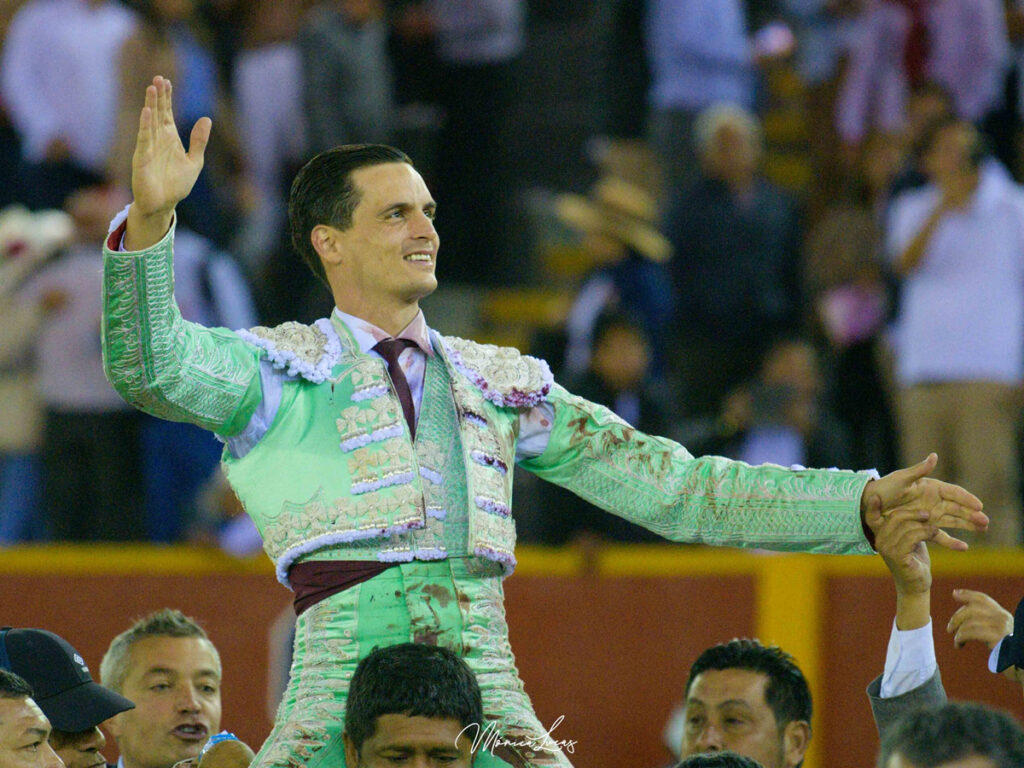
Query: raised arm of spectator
[981, 619]
[911, 677]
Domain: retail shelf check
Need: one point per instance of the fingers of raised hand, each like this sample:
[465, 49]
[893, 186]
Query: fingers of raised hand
[943, 539]
[955, 512]
[901, 531]
[954, 493]
[199, 138]
[165, 111]
[919, 470]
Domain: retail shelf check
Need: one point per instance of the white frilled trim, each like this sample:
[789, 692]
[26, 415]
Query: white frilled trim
[507, 559]
[376, 436]
[493, 507]
[406, 555]
[397, 478]
[504, 375]
[432, 475]
[284, 562]
[487, 460]
[369, 393]
[309, 351]
[396, 556]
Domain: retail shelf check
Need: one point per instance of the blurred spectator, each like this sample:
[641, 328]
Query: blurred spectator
[700, 55]
[822, 29]
[59, 85]
[898, 44]
[479, 43]
[178, 458]
[347, 80]
[617, 376]
[927, 104]
[628, 254]
[735, 239]
[779, 418]
[27, 241]
[169, 41]
[958, 242]
[91, 484]
[846, 289]
[958, 734]
[269, 103]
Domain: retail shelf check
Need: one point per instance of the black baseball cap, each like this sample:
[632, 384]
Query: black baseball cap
[60, 679]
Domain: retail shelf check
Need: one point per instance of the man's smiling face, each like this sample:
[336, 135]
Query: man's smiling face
[175, 684]
[385, 260]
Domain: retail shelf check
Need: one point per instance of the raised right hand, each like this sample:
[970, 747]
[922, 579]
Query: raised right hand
[163, 173]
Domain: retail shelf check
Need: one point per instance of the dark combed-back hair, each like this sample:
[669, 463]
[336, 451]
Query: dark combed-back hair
[787, 692]
[414, 680]
[13, 686]
[323, 193]
[934, 736]
[719, 760]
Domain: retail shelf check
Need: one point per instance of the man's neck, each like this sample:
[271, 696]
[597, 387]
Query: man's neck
[393, 320]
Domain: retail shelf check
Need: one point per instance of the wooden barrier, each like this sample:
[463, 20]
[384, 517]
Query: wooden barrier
[603, 641]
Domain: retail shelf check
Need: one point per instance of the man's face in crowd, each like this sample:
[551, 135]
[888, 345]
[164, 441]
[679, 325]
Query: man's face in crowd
[726, 710]
[388, 255]
[423, 742]
[946, 159]
[81, 749]
[24, 734]
[974, 761]
[175, 684]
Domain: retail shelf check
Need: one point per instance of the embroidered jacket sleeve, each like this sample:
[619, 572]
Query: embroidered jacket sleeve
[658, 484]
[164, 365]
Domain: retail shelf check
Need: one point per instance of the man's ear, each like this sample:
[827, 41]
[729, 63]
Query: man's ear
[325, 242]
[351, 753]
[795, 739]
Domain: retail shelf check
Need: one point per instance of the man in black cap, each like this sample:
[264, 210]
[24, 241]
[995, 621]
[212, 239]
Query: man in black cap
[74, 704]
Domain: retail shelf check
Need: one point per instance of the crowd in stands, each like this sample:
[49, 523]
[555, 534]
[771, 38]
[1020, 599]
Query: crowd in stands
[859, 317]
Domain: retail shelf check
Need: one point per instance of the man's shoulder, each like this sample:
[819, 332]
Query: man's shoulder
[504, 375]
[307, 351]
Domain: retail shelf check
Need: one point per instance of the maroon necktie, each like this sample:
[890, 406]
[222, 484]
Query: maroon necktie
[390, 349]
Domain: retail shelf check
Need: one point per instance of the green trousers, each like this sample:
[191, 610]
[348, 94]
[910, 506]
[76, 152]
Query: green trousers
[457, 603]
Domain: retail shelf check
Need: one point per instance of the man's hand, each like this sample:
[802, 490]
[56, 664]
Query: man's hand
[947, 505]
[978, 618]
[163, 173]
[900, 540]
